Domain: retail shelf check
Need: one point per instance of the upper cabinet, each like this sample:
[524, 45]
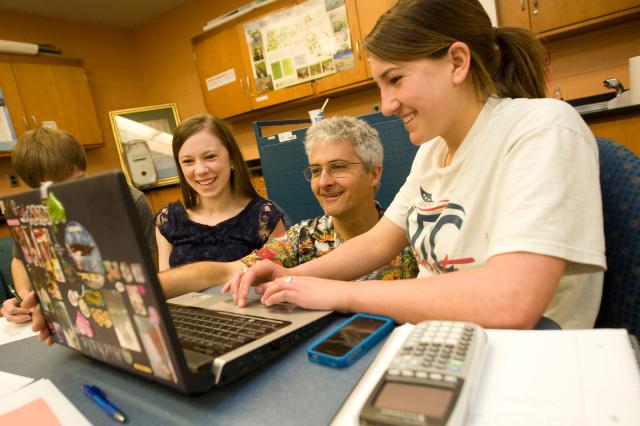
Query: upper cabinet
[368, 14]
[221, 73]
[230, 74]
[225, 69]
[49, 92]
[555, 17]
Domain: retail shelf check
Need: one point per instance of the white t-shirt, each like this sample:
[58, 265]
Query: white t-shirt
[525, 179]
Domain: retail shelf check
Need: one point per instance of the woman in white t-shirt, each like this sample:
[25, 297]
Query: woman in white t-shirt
[502, 205]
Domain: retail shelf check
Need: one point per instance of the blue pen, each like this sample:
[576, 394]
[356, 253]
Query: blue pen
[97, 395]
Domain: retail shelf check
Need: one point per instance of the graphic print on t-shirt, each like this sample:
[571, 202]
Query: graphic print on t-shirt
[427, 222]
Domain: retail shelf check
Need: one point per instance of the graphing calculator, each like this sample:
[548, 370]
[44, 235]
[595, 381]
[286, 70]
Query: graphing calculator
[432, 379]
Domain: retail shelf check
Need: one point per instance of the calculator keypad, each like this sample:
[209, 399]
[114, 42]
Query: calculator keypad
[434, 350]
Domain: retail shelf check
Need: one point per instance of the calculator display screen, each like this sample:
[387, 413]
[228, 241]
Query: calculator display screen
[430, 401]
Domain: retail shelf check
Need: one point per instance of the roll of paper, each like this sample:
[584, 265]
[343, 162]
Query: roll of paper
[634, 79]
[17, 47]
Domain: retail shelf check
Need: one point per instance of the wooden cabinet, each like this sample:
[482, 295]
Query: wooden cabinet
[362, 16]
[12, 99]
[552, 17]
[226, 72]
[368, 14]
[358, 72]
[221, 73]
[159, 197]
[513, 13]
[49, 92]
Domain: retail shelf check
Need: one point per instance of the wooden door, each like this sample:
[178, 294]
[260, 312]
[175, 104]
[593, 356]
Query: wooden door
[357, 71]
[58, 96]
[513, 13]
[259, 94]
[12, 99]
[548, 15]
[221, 72]
[78, 111]
[368, 14]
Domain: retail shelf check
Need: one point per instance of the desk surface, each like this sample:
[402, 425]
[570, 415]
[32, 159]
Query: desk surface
[289, 391]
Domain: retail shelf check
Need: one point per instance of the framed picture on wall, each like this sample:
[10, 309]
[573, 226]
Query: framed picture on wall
[143, 139]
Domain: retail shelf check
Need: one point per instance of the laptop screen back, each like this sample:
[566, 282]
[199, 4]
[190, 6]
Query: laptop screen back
[86, 258]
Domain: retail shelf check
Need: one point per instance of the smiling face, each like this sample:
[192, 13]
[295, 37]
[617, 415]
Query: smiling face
[433, 97]
[342, 196]
[418, 92]
[205, 164]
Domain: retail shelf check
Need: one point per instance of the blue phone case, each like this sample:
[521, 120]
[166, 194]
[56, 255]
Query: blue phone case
[357, 351]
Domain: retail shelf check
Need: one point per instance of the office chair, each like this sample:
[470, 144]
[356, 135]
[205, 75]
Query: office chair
[620, 183]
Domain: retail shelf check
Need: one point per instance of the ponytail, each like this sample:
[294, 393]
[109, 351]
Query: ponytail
[521, 70]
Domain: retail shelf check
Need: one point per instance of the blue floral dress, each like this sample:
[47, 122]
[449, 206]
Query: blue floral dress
[224, 242]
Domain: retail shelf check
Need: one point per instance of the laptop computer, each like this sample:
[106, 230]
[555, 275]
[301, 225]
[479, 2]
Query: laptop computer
[87, 259]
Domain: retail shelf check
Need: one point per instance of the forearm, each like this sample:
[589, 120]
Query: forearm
[489, 295]
[196, 277]
[20, 277]
[358, 256]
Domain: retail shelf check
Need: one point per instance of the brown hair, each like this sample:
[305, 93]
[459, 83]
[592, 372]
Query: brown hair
[240, 177]
[47, 154]
[509, 62]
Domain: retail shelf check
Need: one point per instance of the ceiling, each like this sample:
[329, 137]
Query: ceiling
[123, 13]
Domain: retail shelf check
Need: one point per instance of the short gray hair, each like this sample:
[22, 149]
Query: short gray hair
[363, 138]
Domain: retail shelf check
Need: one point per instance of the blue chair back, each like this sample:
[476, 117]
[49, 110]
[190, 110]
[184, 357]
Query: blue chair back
[620, 183]
[283, 160]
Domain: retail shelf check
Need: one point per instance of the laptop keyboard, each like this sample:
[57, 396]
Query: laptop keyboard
[216, 333]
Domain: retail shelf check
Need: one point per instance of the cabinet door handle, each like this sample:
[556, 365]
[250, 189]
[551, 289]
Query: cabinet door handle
[358, 50]
[35, 122]
[536, 11]
[26, 123]
[522, 5]
[249, 87]
[244, 90]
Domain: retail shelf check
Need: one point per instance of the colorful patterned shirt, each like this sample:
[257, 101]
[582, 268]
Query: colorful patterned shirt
[314, 238]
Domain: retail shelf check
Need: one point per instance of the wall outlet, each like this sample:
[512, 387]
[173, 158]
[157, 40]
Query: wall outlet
[13, 180]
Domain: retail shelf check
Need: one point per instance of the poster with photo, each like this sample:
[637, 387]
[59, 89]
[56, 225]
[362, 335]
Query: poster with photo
[302, 43]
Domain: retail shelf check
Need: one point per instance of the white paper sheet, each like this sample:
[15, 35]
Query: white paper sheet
[39, 403]
[12, 382]
[11, 331]
[569, 377]
[572, 377]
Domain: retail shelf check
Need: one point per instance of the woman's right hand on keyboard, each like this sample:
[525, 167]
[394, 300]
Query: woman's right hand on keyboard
[242, 281]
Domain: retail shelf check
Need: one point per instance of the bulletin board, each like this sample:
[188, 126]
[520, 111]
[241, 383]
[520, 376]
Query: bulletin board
[298, 44]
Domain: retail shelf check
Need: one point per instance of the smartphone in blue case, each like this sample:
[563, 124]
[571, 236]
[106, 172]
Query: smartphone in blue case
[343, 345]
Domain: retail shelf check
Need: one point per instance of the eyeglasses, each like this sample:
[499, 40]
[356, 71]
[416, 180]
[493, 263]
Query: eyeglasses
[336, 169]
